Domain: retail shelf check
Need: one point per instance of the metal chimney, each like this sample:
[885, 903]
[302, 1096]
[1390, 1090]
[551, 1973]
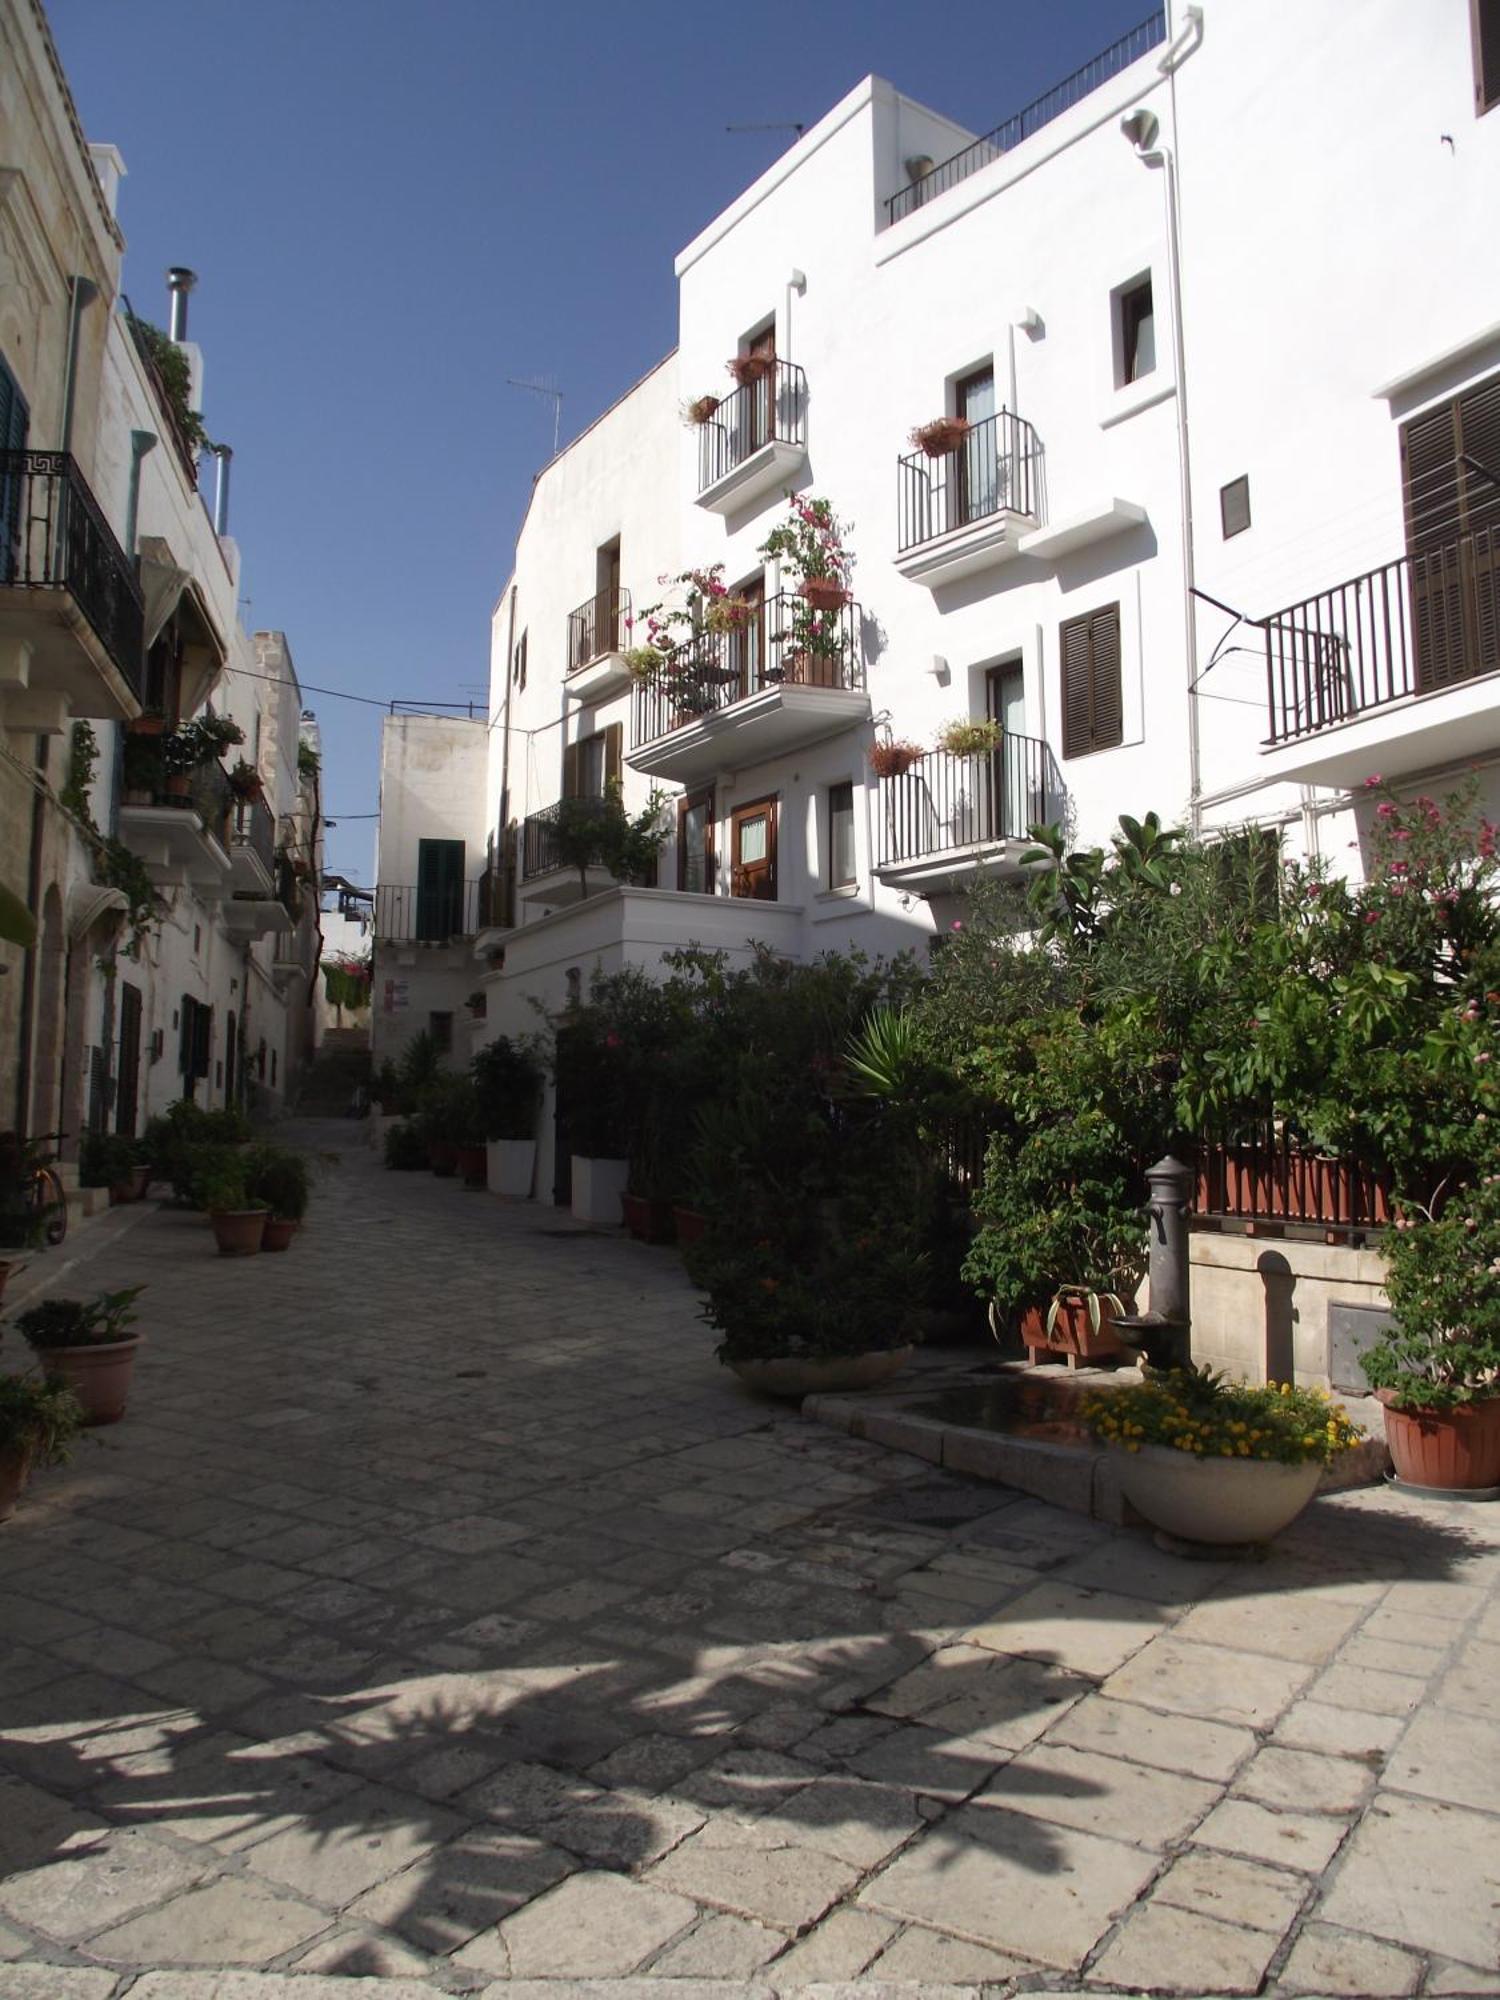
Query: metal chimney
[180, 281]
[223, 453]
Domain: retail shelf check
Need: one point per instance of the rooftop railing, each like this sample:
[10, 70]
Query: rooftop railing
[54, 537]
[771, 409]
[995, 468]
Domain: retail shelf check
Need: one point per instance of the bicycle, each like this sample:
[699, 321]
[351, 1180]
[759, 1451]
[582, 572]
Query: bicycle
[44, 1200]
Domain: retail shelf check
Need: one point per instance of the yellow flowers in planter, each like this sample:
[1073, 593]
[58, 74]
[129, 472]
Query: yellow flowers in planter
[1197, 1411]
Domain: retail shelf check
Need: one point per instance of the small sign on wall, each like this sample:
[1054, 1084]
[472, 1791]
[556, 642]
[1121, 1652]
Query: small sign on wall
[397, 996]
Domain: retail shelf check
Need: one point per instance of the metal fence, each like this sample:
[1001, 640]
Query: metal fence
[54, 537]
[996, 468]
[1268, 1178]
[771, 409]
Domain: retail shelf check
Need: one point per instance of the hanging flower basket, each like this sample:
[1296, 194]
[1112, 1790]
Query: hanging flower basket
[894, 760]
[700, 410]
[750, 367]
[823, 593]
[971, 737]
[943, 435]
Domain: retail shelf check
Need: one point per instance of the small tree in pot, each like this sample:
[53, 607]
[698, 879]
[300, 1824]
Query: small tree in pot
[282, 1179]
[239, 1221]
[84, 1345]
[508, 1077]
[38, 1423]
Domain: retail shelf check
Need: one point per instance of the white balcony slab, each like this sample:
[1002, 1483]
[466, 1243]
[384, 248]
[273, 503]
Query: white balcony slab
[176, 847]
[770, 470]
[636, 926]
[249, 874]
[598, 679]
[1450, 725]
[256, 916]
[764, 725]
[67, 656]
[957, 869]
[978, 545]
[1094, 523]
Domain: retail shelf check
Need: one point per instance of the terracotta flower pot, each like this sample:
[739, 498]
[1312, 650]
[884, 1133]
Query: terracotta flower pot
[751, 367]
[1452, 1450]
[280, 1229]
[690, 1224]
[99, 1376]
[473, 1163]
[442, 1156]
[238, 1231]
[1073, 1331]
[648, 1221]
[15, 1466]
[176, 785]
[946, 434]
[822, 593]
[1223, 1501]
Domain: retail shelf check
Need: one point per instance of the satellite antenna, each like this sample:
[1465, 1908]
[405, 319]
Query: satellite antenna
[781, 125]
[543, 386]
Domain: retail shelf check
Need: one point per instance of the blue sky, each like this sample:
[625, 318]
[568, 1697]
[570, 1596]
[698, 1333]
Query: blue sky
[393, 205]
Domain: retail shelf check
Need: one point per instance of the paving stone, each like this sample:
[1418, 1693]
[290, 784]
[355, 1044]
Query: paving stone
[464, 1887]
[526, 1795]
[90, 1880]
[1325, 1961]
[925, 1760]
[1306, 1783]
[735, 1868]
[239, 1985]
[840, 1947]
[1132, 1567]
[56, 1982]
[1099, 1794]
[1473, 1683]
[343, 1849]
[1386, 1656]
[1421, 1873]
[234, 1921]
[971, 1692]
[1249, 1689]
[591, 1926]
[1178, 1951]
[1015, 1884]
[850, 1818]
[1453, 1978]
[1362, 1687]
[1089, 1631]
[937, 1957]
[720, 1948]
[352, 1951]
[625, 1830]
[1239, 1892]
[1290, 1839]
[1313, 1725]
[1210, 1750]
[1287, 1625]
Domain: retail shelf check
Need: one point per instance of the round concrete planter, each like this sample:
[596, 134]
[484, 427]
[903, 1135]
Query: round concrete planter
[1223, 1501]
[238, 1231]
[787, 1375]
[98, 1375]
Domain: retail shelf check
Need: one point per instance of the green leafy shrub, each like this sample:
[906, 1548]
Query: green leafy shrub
[405, 1148]
[278, 1178]
[1444, 1287]
[508, 1077]
[38, 1419]
[93, 1322]
[173, 1141]
[107, 1159]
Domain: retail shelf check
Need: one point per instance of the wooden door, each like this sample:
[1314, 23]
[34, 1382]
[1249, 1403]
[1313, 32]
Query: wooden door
[746, 647]
[695, 842]
[753, 851]
[1010, 811]
[759, 397]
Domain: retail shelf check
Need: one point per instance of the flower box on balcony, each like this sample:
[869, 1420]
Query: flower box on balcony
[943, 435]
[823, 593]
[700, 410]
[894, 760]
[750, 367]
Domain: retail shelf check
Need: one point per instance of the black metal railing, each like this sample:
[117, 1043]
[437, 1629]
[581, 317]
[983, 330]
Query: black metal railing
[255, 829]
[1031, 117]
[54, 537]
[945, 803]
[784, 642]
[539, 836]
[772, 409]
[211, 797]
[598, 626]
[996, 468]
[407, 914]
[1426, 621]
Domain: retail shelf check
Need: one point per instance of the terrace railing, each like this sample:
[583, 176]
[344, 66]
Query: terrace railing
[539, 845]
[783, 642]
[53, 536]
[417, 914]
[598, 626]
[255, 828]
[1267, 1178]
[996, 468]
[772, 409]
[946, 803]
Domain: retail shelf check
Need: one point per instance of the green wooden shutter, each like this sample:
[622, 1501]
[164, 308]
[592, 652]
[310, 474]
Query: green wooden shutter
[440, 890]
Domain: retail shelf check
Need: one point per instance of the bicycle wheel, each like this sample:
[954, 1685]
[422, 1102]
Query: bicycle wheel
[52, 1205]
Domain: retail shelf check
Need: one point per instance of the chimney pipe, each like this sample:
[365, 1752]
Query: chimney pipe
[180, 281]
[223, 453]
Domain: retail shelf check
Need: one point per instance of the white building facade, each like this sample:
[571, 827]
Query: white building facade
[1211, 338]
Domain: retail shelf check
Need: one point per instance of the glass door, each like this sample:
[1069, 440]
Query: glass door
[1005, 702]
[695, 843]
[976, 461]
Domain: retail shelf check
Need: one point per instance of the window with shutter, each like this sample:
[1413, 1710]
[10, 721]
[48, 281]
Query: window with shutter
[1485, 15]
[13, 422]
[1092, 706]
[1450, 468]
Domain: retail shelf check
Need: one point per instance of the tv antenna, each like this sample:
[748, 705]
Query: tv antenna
[780, 125]
[543, 386]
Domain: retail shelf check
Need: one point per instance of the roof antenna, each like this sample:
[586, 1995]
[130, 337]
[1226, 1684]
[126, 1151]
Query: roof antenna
[543, 386]
[784, 125]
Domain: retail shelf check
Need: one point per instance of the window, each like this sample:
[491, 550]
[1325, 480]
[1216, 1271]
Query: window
[695, 843]
[594, 763]
[13, 423]
[195, 1035]
[518, 663]
[1234, 506]
[440, 890]
[1135, 332]
[440, 1027]
[1486, 21]
[841, 871]
[1093, 717]
[976, 463]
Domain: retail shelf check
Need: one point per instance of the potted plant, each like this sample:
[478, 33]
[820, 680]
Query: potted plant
[282, 1179]
[1208, 1460]
[83, 1345]
[239, 1221]
[142, 767]
[747, 368]
[894, 760]
[1437, 1370]
[976, 737]
[244, 780]
[942, 435]
[508, 1077]
[810, 547]
[477, 1004]
[700, 410]
[406, 1149]
[646, 1204]
[109, 1160]
[38, 1423]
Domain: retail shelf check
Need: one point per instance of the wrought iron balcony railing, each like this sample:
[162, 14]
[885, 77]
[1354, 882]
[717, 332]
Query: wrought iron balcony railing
[600, 625]
[771, 410]
[782, 643]
[996, 468]
[946, 803]
[539, 836]
[54, 537]
[255, 828]
[406, 914]
[1427, 621]
[1032, 117]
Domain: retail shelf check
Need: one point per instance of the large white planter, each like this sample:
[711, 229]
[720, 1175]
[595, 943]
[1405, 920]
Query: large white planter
[786, 1376]
[597, 1187]
[1225, 1501]
[509, 1165]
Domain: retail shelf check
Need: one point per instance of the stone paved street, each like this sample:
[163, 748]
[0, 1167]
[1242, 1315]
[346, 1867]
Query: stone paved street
[442, 1611]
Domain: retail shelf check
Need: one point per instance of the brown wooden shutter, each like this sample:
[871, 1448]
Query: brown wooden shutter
[1092, 704]
[572, 764]
[1109, 710]
[1449, 459]
[614, 753]
[1486, 22]
[1075, 687]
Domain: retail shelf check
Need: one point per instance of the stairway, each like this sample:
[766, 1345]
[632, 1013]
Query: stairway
[341, 1066]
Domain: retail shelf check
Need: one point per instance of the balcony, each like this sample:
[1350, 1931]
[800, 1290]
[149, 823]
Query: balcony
[787, 677]
[442, 914]
[755, 443]
[67, 589]
[949, 820]
[967, 509]
[182, 835]
[638, 926]
[545, 876]
[1390, 671]
[252, 846]
[598, 633]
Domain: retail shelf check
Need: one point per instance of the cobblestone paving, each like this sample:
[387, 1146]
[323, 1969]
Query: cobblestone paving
[442, 1613]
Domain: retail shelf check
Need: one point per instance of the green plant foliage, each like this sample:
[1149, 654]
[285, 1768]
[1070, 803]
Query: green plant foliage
[107, 1159]
[599, 833]
[308, 762]
[83, 759]
[1207, 1416]
[811, 542]
[95, 1322]
[508, 1077]
[1444, 1289]
[448, 1110]
[966, 738]
[175, 1143]
[278, 1178]
[347, 982]
[120, 867]
[405, 1148]
[38, 1419]
[175, 376]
